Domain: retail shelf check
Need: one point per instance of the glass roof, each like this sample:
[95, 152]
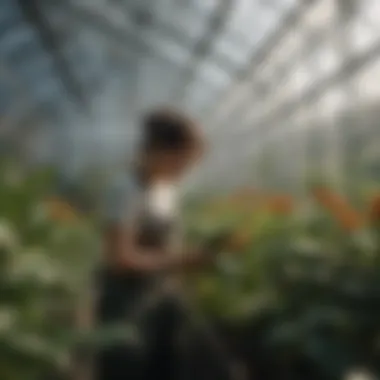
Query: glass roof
[238, 65]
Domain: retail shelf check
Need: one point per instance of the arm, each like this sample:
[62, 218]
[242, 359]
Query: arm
[122, 253]
[121, 250]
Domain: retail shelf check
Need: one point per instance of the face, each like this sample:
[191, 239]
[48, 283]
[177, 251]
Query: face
[170, 165]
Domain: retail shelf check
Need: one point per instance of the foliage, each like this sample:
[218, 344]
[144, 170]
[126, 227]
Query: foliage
[307, 270]
[297, 278]
[45, 252]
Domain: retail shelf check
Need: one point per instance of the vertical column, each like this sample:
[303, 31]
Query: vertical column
[300, 147]
[347, 123]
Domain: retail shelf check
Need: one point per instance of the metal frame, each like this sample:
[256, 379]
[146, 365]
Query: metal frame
[230, 116]
[202, 48]
[33, 13]
[258, 58]
[126, 37]
[255, 130]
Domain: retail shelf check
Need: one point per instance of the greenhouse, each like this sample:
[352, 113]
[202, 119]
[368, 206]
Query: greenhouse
[287, 94]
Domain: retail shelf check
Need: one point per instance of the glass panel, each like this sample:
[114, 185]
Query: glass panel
[361, 35]
[206, 6]
[298, 80]
[157, 80]
[18, 37]
[250, 19]
[289, 47]
[232, 101]
[367, 83]
[185, 17]
[47, 90]
[335, 100]
[7, 95]
[201, 93]
[174, 51]
[369, 10]
[325, 59]
[210, 72]
[233, 46]
[320, 15]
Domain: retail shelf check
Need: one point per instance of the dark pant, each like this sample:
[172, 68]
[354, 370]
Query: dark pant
[157, 357]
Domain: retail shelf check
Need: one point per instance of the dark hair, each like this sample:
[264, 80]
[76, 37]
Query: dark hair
[166, 129]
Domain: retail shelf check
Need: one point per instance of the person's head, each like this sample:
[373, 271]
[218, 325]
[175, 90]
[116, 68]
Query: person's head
[171, 144]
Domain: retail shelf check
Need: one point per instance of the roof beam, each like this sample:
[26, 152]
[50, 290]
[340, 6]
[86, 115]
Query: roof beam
[267, 125]
[347, 71]
[179, 35]
[202, 48]
[258, 57]
[136, 43]
[33, 13]
[95, 20]
[260, 89]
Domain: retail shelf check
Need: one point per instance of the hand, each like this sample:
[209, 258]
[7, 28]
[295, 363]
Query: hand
[217, 242]
[198, 259]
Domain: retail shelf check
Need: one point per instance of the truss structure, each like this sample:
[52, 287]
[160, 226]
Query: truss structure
[296, 77]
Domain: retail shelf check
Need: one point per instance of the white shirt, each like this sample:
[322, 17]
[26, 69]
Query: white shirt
[126, 203]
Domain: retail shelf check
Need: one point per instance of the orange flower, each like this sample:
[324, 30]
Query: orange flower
[60, 211]
[245, 197]
[247, 193]
[341, 210]
[374, 211]
[239, 241]
[280, 204]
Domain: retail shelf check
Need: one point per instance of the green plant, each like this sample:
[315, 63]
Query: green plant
[313, 282]
[44, 260]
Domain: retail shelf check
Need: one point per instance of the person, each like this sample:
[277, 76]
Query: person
[142, 247]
